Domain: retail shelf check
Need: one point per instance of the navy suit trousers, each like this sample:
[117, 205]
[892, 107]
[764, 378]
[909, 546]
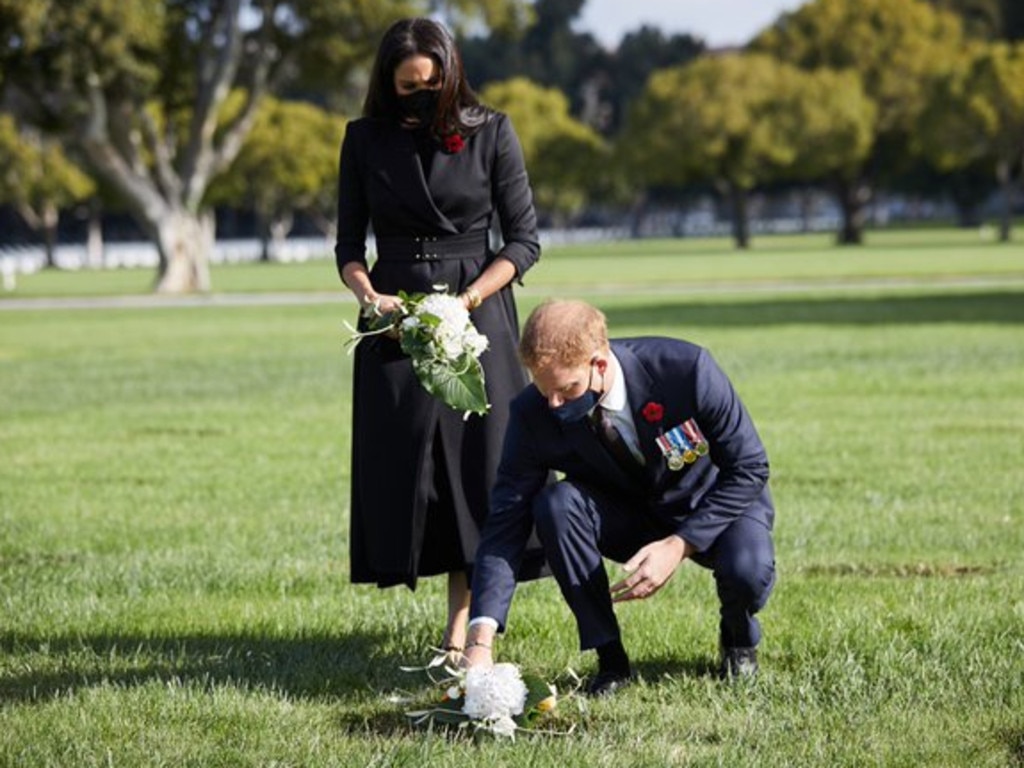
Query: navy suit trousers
[578, 525]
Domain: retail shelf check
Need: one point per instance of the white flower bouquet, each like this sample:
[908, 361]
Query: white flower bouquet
[435, 331]
[498, 699]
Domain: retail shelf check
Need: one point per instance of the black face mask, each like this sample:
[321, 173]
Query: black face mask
[577, 410]
[420, 106]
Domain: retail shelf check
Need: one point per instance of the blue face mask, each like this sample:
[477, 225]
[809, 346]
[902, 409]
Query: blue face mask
[576, 410]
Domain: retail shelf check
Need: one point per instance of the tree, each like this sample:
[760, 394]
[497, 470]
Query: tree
[140, 88]
[989, 19]
[741, 120]
[39, 180]
[564, 157]
[640, 53]
[1013, 20]
[289, 163]
[981, 18]
[547, 51]
[977, 112]
[599, 83]
[896, 47]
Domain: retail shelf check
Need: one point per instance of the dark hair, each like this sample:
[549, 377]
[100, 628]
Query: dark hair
[458, 108]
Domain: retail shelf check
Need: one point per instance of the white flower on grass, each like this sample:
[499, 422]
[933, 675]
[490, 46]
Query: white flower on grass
[500, 700]
[494, 692]
[503, 726]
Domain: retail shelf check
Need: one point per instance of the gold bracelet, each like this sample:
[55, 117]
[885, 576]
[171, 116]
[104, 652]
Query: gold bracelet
[475, 299]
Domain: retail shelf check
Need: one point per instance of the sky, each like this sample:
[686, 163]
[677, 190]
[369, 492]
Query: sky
[718, 22]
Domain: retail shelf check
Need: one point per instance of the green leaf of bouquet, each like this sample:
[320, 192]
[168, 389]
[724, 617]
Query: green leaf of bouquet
[537, 689]
[416, 345]
[463, 392]
[429, 320]
[426, 717]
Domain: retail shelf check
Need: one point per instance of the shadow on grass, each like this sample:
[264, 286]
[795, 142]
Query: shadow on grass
[669, 667]
[1000, 307]
[304, 667]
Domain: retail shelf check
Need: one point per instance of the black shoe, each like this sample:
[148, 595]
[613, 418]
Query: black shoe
[738, 664]
[608, 682]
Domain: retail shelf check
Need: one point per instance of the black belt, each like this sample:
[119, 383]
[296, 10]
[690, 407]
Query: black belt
[433, 248]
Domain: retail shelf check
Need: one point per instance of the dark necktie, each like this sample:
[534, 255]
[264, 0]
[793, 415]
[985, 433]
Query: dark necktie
[613, 442]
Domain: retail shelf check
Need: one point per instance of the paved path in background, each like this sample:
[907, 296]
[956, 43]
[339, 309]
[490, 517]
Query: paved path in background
[154, 301]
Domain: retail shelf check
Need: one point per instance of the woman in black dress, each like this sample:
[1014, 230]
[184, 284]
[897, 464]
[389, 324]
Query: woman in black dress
[430, 170]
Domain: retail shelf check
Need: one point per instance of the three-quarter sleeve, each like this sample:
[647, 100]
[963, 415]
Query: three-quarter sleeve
[514, 200]
[353, 210]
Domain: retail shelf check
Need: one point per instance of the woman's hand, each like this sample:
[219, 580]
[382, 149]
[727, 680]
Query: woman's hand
[375, 305]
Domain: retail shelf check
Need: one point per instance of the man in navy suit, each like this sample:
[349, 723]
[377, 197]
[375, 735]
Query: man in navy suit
[661, 463]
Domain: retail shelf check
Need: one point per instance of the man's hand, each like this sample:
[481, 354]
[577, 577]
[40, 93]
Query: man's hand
[651, 568]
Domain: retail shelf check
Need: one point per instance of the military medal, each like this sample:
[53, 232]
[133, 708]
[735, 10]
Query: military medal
[696, 437]
[682, 445]
[673, 456]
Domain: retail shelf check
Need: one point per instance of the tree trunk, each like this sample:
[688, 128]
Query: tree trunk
[50, 219]
[280, 228]
[324, 224]
[853, 199]
[738, 199]
[263, 228]
[637, 215]
[1006, 195]
[94, 239]
[184, 241]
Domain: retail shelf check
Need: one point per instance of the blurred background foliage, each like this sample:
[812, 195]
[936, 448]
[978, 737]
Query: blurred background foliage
[166, 111]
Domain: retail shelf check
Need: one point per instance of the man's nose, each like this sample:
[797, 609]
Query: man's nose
[555, 400]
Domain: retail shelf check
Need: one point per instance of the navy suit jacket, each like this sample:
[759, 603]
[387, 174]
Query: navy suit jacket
[698, 502]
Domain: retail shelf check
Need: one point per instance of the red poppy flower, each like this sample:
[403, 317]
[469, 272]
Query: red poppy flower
[653, 412]
[453, 143]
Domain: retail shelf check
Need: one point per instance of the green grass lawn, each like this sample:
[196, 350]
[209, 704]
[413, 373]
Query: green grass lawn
[173, 526]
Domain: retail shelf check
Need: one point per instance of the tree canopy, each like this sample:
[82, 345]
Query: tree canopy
[740, 120]
[288, 163]
[564, 156]
[39, 179]
[976, 113]
[896, 48]
[141, 89]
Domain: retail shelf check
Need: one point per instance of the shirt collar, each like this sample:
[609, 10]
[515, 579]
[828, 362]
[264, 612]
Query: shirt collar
[615, 399]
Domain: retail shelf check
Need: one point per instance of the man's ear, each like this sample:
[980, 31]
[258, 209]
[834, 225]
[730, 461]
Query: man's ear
[600, 362]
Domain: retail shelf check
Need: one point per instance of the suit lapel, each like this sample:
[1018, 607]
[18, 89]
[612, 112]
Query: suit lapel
[583, 440]
[400, 169]
[642, 389]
